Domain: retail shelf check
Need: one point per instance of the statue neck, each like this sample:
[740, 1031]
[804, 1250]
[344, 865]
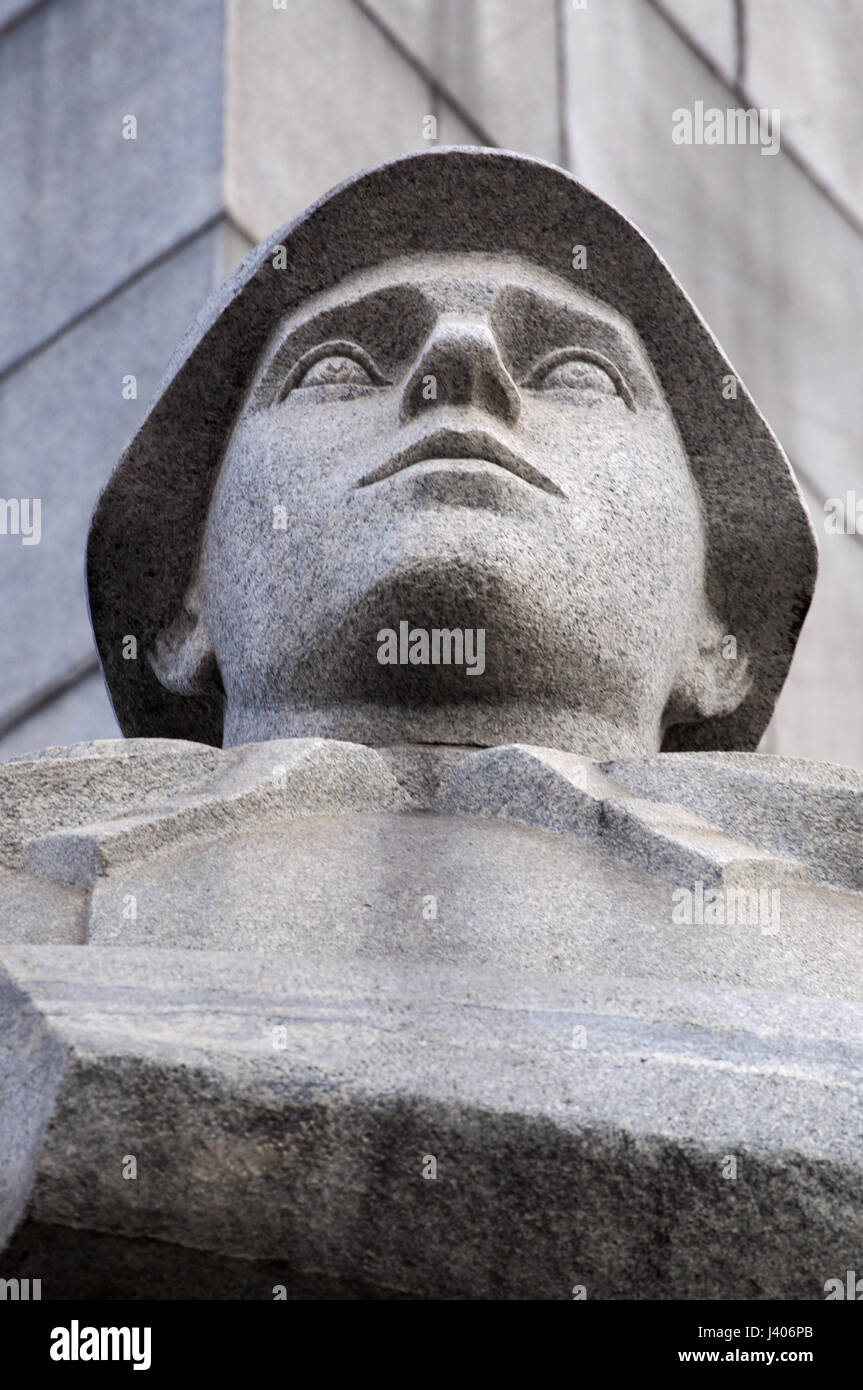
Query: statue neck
[464, 725]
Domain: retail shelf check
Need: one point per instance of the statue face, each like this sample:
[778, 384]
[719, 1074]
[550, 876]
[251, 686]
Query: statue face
[460, 443]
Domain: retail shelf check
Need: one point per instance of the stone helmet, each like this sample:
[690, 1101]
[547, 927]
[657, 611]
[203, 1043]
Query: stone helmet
[146, 529]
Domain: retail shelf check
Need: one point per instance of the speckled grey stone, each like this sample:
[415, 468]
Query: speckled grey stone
[662, 516]
[281, 1033]
[377, 971]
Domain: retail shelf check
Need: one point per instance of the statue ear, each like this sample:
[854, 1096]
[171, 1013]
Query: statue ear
[715, 682]
[182, 657]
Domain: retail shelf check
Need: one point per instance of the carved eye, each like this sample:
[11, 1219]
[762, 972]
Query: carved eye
[579, 376]
[588, 375]
[335, 371]
[333, 364]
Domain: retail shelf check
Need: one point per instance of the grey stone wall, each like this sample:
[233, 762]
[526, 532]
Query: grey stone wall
[245, 112]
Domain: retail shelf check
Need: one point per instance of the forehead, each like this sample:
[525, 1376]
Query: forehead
[470, 282]
[410, 292]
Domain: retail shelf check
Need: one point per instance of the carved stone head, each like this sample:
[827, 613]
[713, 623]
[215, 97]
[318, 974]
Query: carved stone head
[452, 459]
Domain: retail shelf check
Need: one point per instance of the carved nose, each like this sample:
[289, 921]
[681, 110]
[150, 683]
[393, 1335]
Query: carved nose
[460, 365]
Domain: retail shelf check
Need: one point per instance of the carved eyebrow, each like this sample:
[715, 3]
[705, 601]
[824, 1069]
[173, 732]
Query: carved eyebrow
[334, 347]
[577, 354]
[407, 316]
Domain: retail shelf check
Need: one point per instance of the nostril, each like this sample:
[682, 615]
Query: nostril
[460, 364]
[500, 395]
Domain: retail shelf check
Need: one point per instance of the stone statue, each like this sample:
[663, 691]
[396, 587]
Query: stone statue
[436, 930]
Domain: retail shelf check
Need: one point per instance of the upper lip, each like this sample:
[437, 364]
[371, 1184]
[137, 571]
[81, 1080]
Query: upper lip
[461, 444]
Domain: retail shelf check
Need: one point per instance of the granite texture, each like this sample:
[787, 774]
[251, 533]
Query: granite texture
[598, 1165]
[730, 223]
[446, 977]
[632, 452]
[488, 974]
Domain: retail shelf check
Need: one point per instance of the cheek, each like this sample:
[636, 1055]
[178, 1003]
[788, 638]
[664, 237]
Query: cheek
[635, 530]
[655, 523]
[624, 470]
[249, 536]
[270, 486]
[269, 520]
[306, 451]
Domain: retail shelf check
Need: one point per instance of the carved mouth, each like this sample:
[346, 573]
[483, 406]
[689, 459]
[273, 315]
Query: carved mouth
[475, 445]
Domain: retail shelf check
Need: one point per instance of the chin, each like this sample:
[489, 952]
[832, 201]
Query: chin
[450, 589]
